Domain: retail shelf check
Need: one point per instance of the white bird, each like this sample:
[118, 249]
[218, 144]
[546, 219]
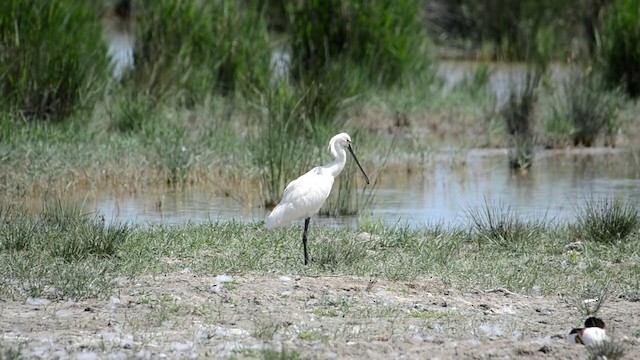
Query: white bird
[591, 334]
[304, 196]
[119, 32]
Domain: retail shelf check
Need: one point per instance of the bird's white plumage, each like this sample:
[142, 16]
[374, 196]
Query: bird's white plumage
[593, 336]
[304, 196]
[573, 338]
[120, 53]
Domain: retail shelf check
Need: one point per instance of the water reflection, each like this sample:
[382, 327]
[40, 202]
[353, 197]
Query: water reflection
[556, 187]
[503, 76]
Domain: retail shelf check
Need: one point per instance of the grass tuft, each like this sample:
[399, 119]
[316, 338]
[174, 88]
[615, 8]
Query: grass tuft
[585, 109]
[335, 253]
[495, 225]
[606, 350]
[608, 220]
[175, 153]
[78, 235]
[280, 355]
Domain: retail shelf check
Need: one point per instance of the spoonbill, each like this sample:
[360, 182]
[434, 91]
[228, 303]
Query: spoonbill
[118, 25]
[592, 333]
[304, 196]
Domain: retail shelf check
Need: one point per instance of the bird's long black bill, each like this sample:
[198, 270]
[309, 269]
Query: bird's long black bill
[366, 178]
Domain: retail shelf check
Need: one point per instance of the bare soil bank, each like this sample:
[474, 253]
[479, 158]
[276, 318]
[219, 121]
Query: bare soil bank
[188, 316]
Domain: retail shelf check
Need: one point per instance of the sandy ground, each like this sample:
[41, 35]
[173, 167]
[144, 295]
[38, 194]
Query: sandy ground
[188, 316]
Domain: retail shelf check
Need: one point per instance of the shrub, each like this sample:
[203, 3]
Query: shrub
[620, 46]
[50, 53]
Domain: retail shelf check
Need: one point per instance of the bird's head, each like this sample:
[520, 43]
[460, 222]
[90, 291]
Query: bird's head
[340, 141]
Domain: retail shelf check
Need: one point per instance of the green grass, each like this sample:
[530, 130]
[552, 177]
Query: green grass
[499, 225]
[608, 220]
[533, 258]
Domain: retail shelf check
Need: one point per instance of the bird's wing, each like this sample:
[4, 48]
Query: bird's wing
[302, 198]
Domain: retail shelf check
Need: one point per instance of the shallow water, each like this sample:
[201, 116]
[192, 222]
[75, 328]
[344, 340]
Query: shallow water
[556, 187]
[502, 76]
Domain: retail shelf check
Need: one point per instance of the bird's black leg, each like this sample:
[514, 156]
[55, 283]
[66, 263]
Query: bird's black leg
[304, 241]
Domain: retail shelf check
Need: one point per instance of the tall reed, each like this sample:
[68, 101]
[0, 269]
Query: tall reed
[50, 55]
[384, 37]
[277, 141]
[518, 114]
[190, 49]
[620, 46]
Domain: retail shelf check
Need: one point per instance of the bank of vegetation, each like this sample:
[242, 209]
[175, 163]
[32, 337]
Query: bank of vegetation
[209, 99]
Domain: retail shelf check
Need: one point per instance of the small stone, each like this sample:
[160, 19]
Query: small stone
[63, 313]
[180, 346]
[218, 283]
[120, 355]
[37, 301]
[220, 331]
[223, 278]
[86, 355]
[517, 336]
[114, 302]
[143, 354]
[490, 329]
[202, 334]
[108, 336]
[167, 324]
[285, 278]
[59, 354]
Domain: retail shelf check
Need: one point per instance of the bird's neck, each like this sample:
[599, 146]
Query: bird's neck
[335, 167]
